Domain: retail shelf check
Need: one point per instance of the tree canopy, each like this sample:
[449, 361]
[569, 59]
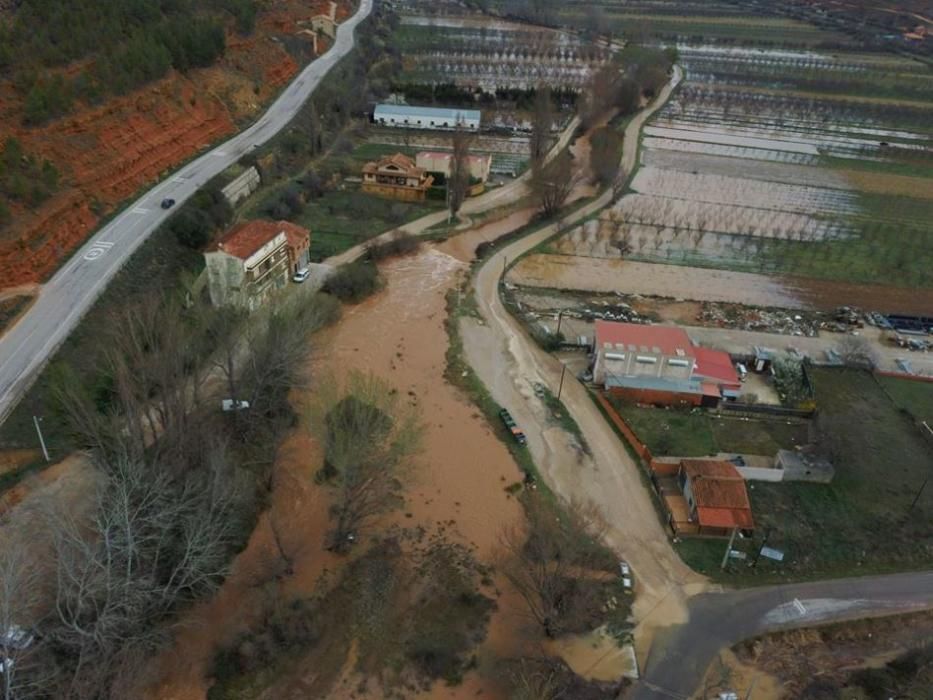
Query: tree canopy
[125, 44]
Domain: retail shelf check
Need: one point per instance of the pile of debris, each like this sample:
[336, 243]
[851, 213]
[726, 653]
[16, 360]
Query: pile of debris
[750, 318]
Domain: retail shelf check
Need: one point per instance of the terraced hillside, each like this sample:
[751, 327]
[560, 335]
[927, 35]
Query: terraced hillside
[107, 135]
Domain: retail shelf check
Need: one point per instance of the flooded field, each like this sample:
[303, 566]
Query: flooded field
[785, 162]
[610, 275]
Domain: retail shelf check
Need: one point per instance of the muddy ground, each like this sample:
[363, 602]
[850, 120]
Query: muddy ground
[703, 284]
[781, 666]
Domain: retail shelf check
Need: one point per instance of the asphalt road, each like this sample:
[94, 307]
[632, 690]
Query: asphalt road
[680, 655]
[26, 347]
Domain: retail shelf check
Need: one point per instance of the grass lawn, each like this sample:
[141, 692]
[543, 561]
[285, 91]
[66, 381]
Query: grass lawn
[914, 397]
[339, 220]
[860, 523]
[698, 434]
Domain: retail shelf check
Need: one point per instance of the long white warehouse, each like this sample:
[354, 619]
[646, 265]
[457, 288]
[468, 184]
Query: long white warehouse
[414, 117]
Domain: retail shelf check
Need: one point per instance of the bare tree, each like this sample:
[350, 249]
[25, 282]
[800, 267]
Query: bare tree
[605, 154]
[600, 95]
[22, 587]
[155, 541]
[458, 179]
[857, 352]
[543, 562]
[534, 681]
[541, 122]
[552, 182]
[369, 439]
[596, 24]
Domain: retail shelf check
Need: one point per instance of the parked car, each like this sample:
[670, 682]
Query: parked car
[228, 405]
[301, 275]
[167, 203]
[512, 427]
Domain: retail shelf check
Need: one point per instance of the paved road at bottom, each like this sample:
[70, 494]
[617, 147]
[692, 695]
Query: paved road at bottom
[71, 292]
[680, 655]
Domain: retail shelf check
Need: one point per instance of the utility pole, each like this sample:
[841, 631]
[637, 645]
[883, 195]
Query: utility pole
[763, 543]
[45, 451]
[919, 492]
[560, 388]
[725, 557]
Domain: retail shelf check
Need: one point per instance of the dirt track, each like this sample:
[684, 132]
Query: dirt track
[508, 362]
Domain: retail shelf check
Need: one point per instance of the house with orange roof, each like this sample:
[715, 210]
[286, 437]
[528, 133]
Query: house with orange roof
[716, 495]
[397, 177]
[252, 260]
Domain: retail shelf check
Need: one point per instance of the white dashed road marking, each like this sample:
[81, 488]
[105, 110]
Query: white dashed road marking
[140, 210]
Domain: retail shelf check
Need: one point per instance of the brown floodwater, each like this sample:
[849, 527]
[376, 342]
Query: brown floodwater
[458, 480]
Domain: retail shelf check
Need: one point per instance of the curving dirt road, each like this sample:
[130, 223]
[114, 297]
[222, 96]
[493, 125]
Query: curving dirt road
[509, 362]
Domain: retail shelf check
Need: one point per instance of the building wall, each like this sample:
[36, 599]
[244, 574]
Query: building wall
[792, 470]
[440, 163]
[656, 397]
[230, 283]
[242, 187]
[426, 122]
[403, 194]
[760, 474]
[225, 275]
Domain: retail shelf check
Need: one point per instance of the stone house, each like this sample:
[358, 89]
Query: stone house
[252, 260]
[396, 177]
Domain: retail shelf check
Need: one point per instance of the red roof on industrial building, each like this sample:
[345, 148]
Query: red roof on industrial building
[668, 339]
[243, 240]
[715, 365]
[719, 493]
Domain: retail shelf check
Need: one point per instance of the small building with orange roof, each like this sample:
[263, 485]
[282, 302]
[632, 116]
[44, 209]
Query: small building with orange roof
[716, 495]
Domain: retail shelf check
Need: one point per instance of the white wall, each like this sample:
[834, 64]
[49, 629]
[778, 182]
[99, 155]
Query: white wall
[761, 474]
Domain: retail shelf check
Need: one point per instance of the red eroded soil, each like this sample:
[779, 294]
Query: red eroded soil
[107, 153]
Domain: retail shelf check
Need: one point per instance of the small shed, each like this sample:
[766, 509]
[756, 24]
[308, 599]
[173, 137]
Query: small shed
[804, 464]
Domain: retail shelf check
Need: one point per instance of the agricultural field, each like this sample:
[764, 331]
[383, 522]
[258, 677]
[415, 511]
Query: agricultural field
[492, 57]
[786, 152]
[662, 20]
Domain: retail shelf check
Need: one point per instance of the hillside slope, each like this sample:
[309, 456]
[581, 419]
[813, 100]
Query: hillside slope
[105, 152]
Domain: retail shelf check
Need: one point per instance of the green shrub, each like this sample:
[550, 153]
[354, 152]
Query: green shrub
[401, 244]
[354, 282]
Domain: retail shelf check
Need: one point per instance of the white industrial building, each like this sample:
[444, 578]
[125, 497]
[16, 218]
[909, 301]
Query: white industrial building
[426, 117]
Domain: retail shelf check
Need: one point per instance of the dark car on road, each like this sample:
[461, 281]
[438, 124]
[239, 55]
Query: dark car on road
[512, 427]
[168, 203]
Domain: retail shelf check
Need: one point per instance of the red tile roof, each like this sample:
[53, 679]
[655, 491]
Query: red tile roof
[719, 493]
[399, 160]
[246, 238]
[668, 339]
[715, 365]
